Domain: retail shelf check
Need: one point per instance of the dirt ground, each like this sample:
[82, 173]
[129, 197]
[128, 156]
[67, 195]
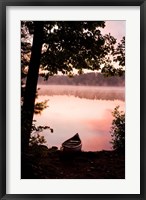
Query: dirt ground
[43, 163]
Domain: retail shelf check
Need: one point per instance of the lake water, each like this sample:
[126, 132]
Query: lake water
[86, 110]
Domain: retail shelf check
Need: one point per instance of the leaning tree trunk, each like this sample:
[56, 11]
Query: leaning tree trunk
[31, 86]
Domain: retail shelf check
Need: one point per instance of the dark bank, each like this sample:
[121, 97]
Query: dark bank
[42, 163]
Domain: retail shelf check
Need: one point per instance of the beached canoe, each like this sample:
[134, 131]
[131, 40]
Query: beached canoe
[72, 144]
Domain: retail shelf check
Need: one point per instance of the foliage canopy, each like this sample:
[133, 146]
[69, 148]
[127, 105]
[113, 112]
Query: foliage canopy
[69, 45]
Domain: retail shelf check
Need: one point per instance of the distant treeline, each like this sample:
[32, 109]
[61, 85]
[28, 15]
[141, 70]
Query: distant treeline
[90, 79]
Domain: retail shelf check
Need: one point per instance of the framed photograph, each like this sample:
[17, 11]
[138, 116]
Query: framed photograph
[72, 99]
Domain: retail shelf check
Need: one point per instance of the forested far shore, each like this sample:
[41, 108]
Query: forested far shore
[88, 79]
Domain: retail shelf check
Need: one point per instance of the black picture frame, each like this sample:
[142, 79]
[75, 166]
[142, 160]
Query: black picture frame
[3, 99]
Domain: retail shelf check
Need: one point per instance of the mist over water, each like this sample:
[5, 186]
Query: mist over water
[86, 110]
[87, 92]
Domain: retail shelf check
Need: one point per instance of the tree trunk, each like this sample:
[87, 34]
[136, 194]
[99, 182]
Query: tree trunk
[31, 86]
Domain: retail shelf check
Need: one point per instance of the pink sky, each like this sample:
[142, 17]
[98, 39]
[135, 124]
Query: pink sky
[117, 28]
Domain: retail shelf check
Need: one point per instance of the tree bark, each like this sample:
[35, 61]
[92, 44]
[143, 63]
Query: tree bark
[31, 86]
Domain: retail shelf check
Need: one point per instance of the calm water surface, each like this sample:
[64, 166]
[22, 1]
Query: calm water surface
[79, 109]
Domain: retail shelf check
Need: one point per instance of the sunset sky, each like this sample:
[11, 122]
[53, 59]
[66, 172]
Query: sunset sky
[116, 28]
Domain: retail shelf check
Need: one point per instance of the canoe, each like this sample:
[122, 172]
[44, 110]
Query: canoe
[72, 144]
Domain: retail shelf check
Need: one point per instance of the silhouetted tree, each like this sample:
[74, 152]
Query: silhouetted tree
[119, 54]
[31, 85]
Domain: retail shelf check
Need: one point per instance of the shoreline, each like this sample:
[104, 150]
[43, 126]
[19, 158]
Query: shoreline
[43, 163]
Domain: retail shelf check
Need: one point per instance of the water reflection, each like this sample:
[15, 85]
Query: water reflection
[69, 114]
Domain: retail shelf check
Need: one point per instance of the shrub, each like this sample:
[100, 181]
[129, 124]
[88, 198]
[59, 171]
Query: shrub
[118, 130]
[36, 138]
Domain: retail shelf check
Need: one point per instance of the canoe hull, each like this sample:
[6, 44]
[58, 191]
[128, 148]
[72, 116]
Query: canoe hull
[73, 144]
[71, 149]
